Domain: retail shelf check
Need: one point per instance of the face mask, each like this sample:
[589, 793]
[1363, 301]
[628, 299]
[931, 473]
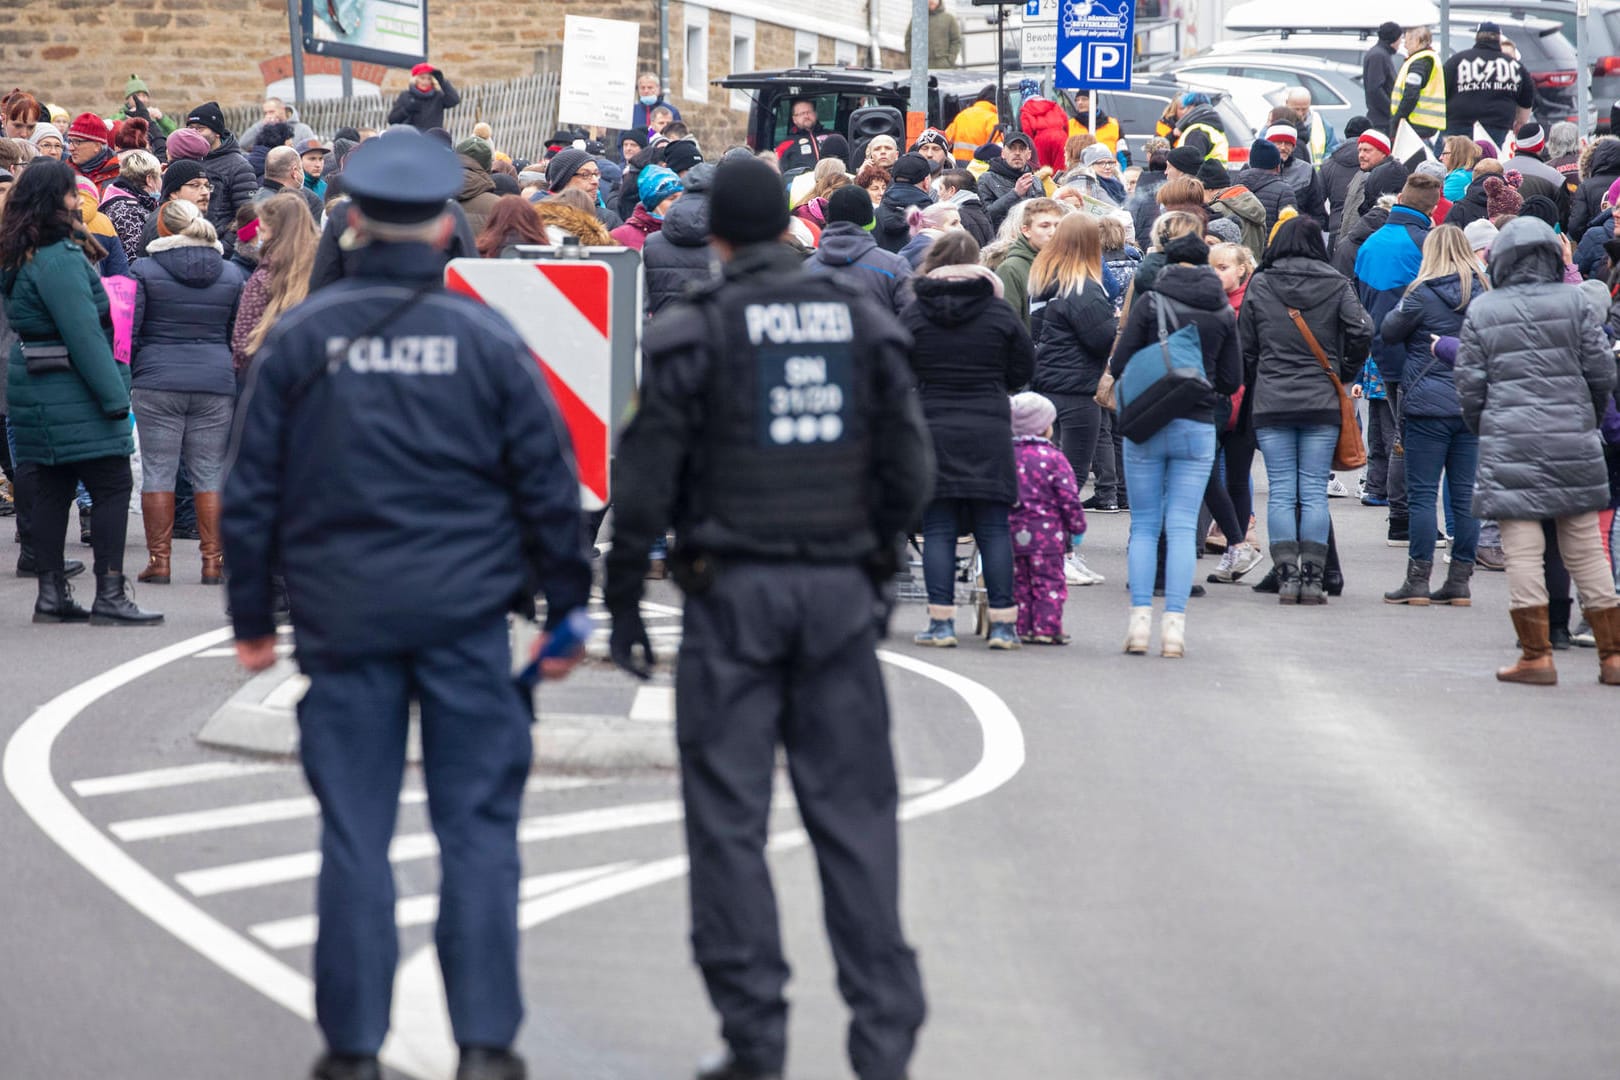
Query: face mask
[649, 99]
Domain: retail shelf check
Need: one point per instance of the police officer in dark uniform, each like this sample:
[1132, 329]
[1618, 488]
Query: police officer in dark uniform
[380, 388]
[779, 432]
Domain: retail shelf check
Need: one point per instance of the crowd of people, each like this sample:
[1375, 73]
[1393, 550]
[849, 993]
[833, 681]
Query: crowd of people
[1039, 256]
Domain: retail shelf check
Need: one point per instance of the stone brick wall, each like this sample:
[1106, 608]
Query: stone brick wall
[78, 53]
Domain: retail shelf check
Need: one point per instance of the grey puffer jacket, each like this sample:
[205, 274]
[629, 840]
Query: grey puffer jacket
[1534, 374]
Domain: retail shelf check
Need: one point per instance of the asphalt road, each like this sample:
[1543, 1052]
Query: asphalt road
[1325, 844]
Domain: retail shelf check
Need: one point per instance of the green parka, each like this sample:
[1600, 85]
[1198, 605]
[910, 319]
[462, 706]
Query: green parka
[75, 415]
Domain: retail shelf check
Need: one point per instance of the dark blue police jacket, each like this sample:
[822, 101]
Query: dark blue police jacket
[421, 486]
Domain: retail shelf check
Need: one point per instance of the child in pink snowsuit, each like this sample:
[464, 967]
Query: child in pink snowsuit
[1045, 522]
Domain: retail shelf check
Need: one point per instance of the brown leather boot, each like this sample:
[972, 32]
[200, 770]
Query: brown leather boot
[157, 515]
[213, 556]
[1605, 624]
[1535, 665]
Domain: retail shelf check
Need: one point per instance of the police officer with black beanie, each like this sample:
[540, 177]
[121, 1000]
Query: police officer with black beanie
[780, 433]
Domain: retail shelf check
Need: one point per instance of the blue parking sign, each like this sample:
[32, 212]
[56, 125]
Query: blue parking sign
[1096, 43]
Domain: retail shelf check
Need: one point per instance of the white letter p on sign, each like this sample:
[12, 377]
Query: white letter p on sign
[1104, 60]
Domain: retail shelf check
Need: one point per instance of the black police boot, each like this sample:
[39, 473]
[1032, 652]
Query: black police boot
[1267, 584]
[56, 603]
[725, 1066]
[115, 605]
[346, 1067]
[484, 1063]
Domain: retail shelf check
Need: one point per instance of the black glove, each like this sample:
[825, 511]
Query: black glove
[438, 76]
[629, 632]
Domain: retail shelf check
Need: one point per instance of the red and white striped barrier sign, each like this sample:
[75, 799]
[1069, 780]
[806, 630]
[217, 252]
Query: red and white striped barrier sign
[563, 310]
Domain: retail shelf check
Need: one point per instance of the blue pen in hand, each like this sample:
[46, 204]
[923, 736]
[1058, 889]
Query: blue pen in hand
[569, 636]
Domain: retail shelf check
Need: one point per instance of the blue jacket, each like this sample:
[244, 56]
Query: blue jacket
[1590, 258]
[185, 302]
[1385, 266]
[1435, 307]
[438, 394]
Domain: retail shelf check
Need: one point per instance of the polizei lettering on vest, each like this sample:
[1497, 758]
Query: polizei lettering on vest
[411, 355]
[795, 324]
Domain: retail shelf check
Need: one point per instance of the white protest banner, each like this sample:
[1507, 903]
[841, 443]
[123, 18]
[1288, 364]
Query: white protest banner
[598, 72]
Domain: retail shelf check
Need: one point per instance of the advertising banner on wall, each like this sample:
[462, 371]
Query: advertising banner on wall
[393, 33]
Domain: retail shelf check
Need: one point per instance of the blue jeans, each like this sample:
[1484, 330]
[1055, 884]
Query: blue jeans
[1167, 475]
[1298, 460]
[943, 522]
[1434, 443]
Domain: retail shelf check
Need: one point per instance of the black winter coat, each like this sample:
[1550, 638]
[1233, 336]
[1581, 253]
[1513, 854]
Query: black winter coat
[678, 255]
[424, 111]
[1272, 190]
[1144, 206]
[1471, 207]
[1588, 201]
[1345, 252]
[1197, 288]
[1335, 175]
[975, 220]
[185, 302]
[1287, 385]
[1433, 308]
[234, 185]
[1386, 178]
[969, 351]
[998, 190]
[891, 231]
[333, 263]
[1073, 334]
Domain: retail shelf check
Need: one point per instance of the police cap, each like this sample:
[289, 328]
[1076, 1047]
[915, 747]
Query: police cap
[401, 177]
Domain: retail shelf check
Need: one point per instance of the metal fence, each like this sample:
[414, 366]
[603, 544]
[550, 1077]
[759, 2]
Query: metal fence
[521, 112]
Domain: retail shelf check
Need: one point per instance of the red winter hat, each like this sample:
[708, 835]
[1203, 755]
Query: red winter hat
[89, 126]
[421, 69]
[1374, 137]
[1500, 198]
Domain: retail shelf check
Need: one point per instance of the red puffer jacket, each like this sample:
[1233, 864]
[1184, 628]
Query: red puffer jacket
[1047, 126]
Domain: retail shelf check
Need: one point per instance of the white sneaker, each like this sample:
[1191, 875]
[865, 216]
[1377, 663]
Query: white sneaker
[1336, 488]
[1223, 569]
[1076, 572]
[1248, 558]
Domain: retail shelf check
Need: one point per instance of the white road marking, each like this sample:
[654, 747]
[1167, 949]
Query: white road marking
[654, 705]
[283, 648]
[300, 930]
[280, 869]
[421, 1045]
[420, 1041]
[171, 777]
[231, 817]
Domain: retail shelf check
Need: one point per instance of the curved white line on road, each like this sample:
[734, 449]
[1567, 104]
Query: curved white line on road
[420, 1044]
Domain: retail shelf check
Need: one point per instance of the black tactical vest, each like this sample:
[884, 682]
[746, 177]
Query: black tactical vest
[786, 459]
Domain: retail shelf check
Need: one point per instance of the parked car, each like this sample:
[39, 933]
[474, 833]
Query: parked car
[1139, 108]
[1543, 49]
[1336, 90]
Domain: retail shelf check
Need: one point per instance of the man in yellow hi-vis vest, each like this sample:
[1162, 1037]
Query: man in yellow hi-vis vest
[1420, 87]
[974, 126]
[1200, 127]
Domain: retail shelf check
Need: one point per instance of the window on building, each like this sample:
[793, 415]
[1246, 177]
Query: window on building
[845, 52]
[806, 47]
[742, 57]
[695, 76]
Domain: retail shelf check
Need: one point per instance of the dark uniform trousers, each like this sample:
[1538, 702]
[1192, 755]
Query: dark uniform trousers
[476, 754]
[784, 652]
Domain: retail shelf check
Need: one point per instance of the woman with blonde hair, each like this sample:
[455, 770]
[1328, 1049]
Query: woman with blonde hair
[830, 175]
[1429, 420]
[129, 200]
[1073, 326]
[184, 391]
[1459, 154]
[287, 243]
